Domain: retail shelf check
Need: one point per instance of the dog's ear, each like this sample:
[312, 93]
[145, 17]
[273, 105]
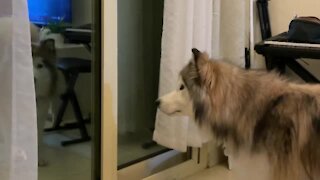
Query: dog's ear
[196, 54]
[202, 65]
[200, 58]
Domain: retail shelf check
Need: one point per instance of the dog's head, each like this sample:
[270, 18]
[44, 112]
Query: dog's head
[177, 102]
[44, 67]
[44, 54]
[190, 97]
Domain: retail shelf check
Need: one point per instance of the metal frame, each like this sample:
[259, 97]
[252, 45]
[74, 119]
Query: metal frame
[264, 19]
[96, 92]
[302, 72]
[265, 27]
[169, 165]
[197, 163]
[70, 96]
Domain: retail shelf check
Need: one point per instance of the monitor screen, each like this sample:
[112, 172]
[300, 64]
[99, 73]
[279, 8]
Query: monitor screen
[45, 11]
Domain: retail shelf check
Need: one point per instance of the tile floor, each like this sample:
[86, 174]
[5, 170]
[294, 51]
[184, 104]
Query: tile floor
[130, 147]
[219, 172]
[65, 163]
[74, 162]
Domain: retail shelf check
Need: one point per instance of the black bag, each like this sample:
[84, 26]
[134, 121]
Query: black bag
[304, 30]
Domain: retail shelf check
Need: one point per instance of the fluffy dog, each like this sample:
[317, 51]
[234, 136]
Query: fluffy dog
[45, 77]
[255, 110]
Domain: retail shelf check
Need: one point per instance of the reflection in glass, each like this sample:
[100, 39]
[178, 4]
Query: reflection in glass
[66, 144]
[139, 48]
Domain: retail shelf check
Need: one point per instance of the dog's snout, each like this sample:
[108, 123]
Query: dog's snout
[158, 102]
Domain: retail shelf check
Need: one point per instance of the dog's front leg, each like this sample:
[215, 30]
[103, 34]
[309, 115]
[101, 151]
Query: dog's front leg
[42, 115]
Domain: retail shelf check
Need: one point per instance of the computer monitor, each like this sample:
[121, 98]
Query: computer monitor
[42, 12]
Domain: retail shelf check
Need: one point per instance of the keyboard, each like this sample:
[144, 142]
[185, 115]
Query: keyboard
[79, 35]
[292, 44]
[279, 45]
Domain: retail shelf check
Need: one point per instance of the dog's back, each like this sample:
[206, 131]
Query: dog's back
[278, 118]
[307, 122]
[281, 119]
[256, 111]
[45, 77]
[259, 110]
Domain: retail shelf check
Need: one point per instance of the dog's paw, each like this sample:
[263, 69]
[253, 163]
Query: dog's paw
[42, 163]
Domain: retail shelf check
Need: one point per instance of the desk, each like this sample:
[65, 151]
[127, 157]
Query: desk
[77, 45]
[71, 68]
[79, 35]
[82, 89]
[279, 52]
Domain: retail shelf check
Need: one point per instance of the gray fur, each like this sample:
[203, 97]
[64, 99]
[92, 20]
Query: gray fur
[258, 109]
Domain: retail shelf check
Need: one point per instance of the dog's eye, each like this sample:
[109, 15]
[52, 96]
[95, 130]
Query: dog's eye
[181, 87]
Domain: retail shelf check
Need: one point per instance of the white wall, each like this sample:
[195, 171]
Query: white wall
[282, 12]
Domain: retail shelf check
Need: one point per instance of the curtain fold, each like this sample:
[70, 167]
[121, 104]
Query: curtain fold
[219, 27]
[18, 134]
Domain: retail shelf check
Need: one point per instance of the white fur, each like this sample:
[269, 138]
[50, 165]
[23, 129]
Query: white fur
[177, 102]
[42, 85]
[34, 30]
[42, 77]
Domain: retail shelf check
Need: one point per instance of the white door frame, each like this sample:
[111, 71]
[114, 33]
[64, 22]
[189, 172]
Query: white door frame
[109, 89]
[109, 115]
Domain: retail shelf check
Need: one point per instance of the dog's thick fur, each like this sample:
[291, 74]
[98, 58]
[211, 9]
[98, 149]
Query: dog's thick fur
[45, 77]
[256, 109]
[44, 65]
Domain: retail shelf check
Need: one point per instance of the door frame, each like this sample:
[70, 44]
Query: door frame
[197, 163]
[109, 73]
[96, 91]
[169, 165]
[109, 104]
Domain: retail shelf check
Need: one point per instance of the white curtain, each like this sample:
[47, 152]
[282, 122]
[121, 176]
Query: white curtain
[219, 27]
[18, 134]
[215, 26]
[186, 24]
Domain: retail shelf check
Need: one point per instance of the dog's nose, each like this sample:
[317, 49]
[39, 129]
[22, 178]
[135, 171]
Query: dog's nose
[158, 102]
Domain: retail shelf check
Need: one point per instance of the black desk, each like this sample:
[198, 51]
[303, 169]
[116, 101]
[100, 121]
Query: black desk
[71, 68]
[279, 55]
[79, 35]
